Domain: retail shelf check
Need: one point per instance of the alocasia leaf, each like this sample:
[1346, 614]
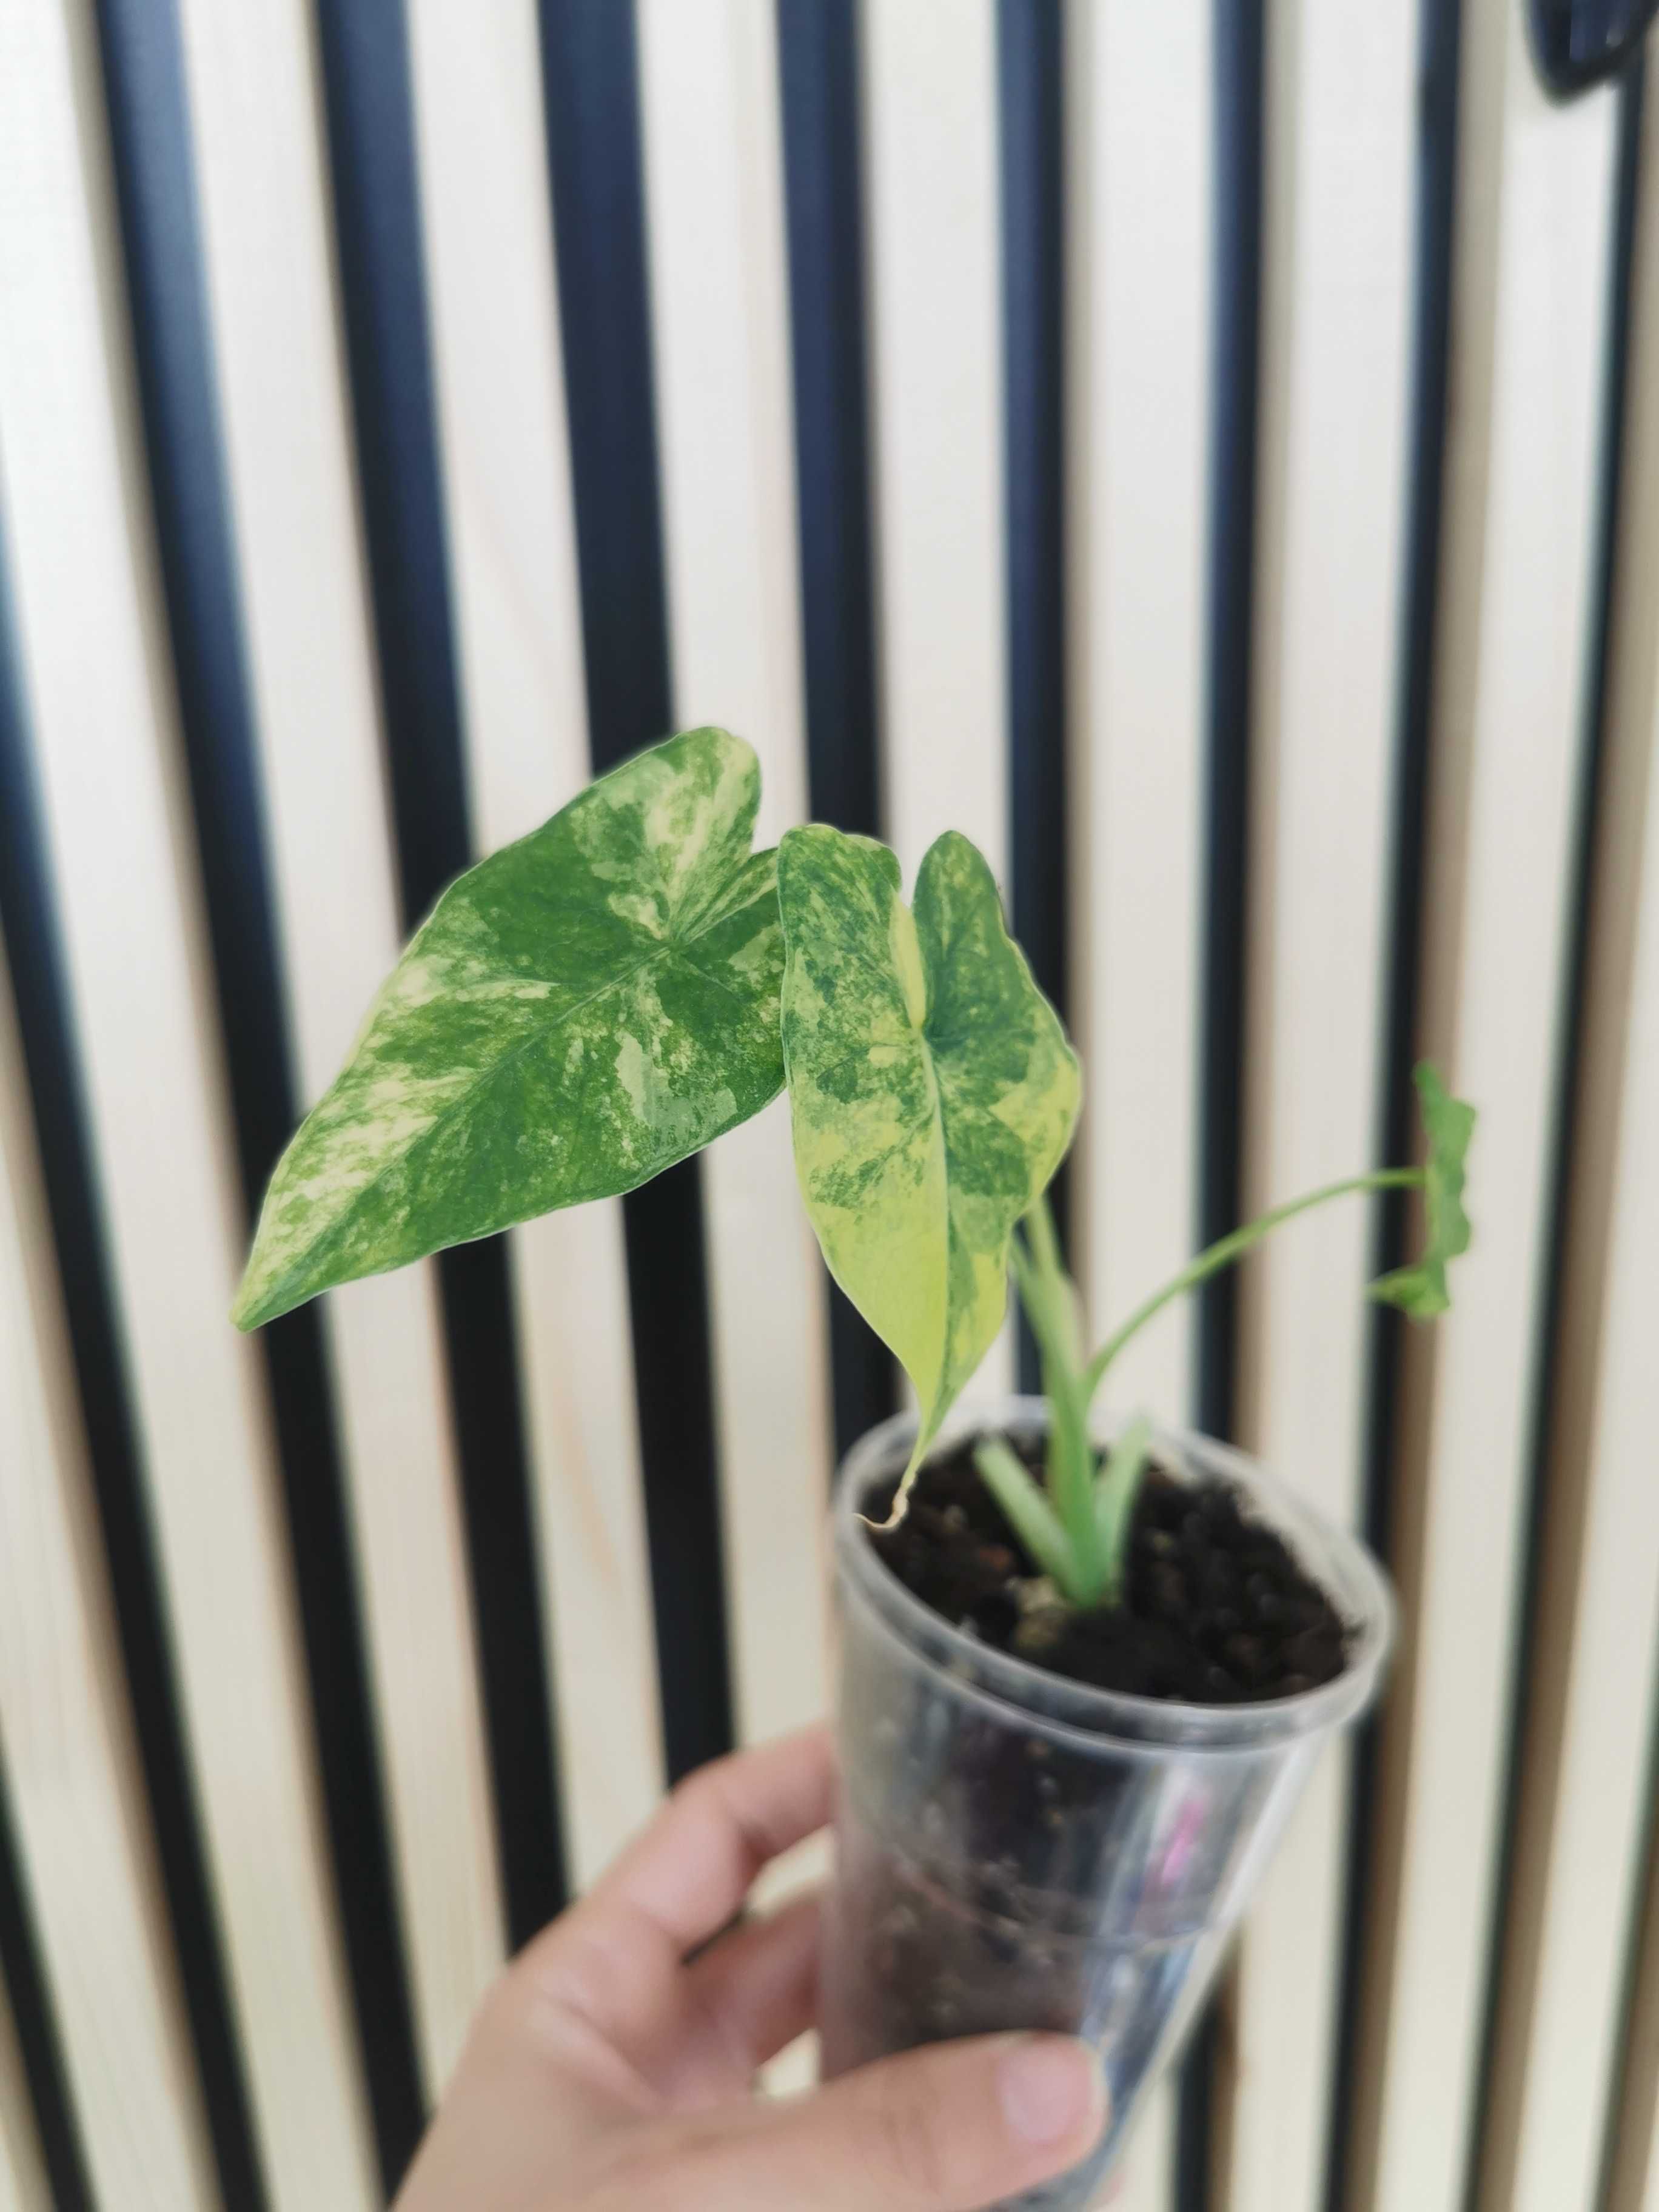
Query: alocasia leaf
[579, 1012]
[932, 1092]
[1420, 1290]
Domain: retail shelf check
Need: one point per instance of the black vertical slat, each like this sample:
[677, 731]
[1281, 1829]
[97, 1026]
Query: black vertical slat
[1235, 381]
[1440, 40]
[818, 74]
[1630, 2107]
[156, 197]
[1031, 101]
[74, 1204]
[26, 1990]
[369, 104]
[1567, 1102]
[1234, 377]
[591, 78]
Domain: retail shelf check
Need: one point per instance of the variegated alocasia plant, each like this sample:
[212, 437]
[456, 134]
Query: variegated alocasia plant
[612, 993]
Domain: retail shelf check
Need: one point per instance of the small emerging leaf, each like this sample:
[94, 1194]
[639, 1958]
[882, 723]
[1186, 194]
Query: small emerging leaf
[1026, 1509]
[577, 1011]
[931, 1091]
[1116, 1488]
[1420, 1290]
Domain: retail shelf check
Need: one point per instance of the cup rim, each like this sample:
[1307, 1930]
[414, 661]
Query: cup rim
[977, 1672]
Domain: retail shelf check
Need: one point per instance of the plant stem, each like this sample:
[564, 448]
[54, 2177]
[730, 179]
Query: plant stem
[1051, 1304]
[1226, 1249]
[1039, 1222]
[1029, 1514]
[1115, 1500]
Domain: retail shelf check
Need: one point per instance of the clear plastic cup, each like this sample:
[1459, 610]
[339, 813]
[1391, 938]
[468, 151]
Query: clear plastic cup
[1019, 1851]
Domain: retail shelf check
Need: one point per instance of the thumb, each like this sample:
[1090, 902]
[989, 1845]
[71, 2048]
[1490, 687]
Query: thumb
[949, 2128]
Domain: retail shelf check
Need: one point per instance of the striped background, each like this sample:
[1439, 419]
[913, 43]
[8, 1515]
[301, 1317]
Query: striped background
[1208, 449]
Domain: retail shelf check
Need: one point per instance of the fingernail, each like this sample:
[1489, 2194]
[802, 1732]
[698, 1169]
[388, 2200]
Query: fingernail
[1049, 2085]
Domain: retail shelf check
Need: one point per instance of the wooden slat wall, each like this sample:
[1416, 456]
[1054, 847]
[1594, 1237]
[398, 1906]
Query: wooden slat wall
[1449, 1990]
[1534, 245]
[1340, 106]
[70, 1757]
[1584, 1814]
[102, 716]
[255, 100]
[481, 137]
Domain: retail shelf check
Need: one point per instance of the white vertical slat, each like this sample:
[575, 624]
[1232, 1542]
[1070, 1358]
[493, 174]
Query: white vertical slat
[507, 478]
[930, 79]
[255, 101]
[1146, 2178]
[103, 717]
[1574, 1893]
[22, 2177]
[1139, 222]
[1139, 227]
[1340, 131]
[77, 1796]
[709, 77]
[1533, 279]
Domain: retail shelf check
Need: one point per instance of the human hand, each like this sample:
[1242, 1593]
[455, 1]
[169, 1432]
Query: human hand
[611, 2070]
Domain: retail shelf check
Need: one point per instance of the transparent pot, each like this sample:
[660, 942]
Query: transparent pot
[1016, 1850]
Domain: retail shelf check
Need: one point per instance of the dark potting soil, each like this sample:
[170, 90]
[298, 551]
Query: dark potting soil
[1216, 1609]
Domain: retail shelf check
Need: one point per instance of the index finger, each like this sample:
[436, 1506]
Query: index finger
[694, 1864]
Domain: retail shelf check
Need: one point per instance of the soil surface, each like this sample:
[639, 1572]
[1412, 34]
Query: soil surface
[1216, 1609]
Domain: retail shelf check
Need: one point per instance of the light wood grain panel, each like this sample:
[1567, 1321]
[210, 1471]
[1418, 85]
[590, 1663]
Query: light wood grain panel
[714, 173]
[506, 480]
[1139, 223]
[1533, 242]
[262, 176]
[77, 1795]
[935, 351]
[100, 703]
[1340, 131]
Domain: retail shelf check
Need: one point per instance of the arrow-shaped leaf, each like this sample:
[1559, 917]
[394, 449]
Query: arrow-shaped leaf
[932, 1091]
[579, 1012]
[1420, 1289]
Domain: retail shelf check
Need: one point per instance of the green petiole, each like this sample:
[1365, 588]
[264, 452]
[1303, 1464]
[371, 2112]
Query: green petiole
[1078, 1530]
[1228, 1248]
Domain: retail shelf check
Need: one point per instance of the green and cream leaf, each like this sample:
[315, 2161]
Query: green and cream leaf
[578, 1012]
[933, 1092]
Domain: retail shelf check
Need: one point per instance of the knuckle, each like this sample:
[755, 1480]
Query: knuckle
[702, 1782]
[574, 1980]
[703, 1793]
